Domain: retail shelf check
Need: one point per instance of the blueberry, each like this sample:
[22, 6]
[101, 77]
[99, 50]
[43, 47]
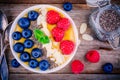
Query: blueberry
[18, 47]
[33, 63]
[108, 68]
[32, 15]
[16, 35]
[67, 6]
[15, 63]
[44, 65]
[28, 43]
[25, 56]
[24, 23]
[26, 33]
[36, 53]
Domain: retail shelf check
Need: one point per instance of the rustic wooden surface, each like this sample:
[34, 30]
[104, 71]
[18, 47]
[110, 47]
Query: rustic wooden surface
[92, 71]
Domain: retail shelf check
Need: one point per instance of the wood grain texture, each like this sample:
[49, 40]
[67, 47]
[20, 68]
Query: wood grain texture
[64, 77]
[79, 14]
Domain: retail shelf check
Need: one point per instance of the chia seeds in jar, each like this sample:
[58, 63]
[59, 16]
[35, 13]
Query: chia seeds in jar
[105, 22]
[109, 20]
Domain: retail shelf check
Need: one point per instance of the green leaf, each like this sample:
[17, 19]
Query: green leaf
[41, 37]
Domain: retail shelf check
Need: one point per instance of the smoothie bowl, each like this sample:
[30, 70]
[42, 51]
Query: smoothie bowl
[43, 39]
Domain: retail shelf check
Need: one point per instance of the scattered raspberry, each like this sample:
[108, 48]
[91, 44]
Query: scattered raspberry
[77, 66]
[67, 47]
[64, 23]
[53, 17]
[93, 56]
[57, 34]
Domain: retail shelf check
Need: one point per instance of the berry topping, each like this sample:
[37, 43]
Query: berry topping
[18, 47]
[108, 68]
[16, 35]
[25, 56]
[57, 34]
[28, 43]
[33, 63]
[67, 6]
[53, 17]
[93, 56]
[32, 15]
[77, 66]
[44, 65]
[36, 53]
[26, 33]
[67, 47]
[15, 63]
[64, 23]
[24, 23]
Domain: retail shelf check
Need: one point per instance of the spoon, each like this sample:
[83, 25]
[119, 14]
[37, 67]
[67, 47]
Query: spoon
[3, 65]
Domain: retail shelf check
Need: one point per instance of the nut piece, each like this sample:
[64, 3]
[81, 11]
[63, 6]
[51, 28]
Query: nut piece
[83, 28]
[87, 37]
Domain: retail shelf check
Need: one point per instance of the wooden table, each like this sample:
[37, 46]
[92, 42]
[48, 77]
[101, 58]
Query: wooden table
[79, 14]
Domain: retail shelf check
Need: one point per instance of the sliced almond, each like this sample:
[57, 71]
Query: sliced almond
[87, 37]
[83, 28]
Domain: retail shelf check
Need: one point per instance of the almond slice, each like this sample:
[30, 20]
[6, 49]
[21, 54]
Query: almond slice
[87, 37]
[83, 28]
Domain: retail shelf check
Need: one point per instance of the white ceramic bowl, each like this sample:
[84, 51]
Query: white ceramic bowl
[13, 28]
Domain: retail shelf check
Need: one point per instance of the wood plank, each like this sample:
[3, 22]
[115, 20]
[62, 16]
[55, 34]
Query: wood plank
[47, 1]
[64, 77]
[41, 1]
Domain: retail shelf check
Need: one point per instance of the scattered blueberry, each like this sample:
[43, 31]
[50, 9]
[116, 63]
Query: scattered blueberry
[15, 63]
[32, 15]
[18, 47]
[36, 53]
[67, 6]
[24, 23]
[25, 56]
[28, 43]
[108, 68]
[26, 33]
[16, 35]
[44, 65]
[33, 63]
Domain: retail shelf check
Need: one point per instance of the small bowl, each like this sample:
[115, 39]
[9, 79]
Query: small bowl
[38, 70]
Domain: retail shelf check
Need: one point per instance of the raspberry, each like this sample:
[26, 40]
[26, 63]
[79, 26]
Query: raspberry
[57, 34]
[67, 47]
[77, 66]
[93, 56]
[64, 23]
[53, 17]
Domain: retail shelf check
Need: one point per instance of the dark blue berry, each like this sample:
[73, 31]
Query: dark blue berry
[25, 56]
[67, 6]
[32, 15]
[108, 68]
[15, 63]
[44, 65]
[24, 23]
[18, 47]
[26, 33]
[28, 43]
[36, 53]
[33, 63]
[16, 35]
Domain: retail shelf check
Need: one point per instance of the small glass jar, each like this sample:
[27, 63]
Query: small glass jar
[105, 22]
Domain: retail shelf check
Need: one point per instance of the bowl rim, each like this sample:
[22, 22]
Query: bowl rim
[74, 30]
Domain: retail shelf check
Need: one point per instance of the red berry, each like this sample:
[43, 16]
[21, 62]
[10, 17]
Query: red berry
[67, 47]
[77, 66]
[57, 34]
[93, 56]
[64, 23]
[53, 17]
